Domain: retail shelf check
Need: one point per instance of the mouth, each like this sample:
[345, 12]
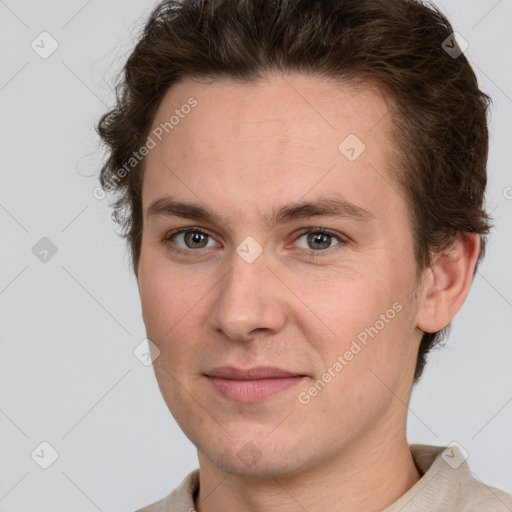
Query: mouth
[254, 384]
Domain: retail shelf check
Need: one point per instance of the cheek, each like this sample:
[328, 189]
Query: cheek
[363, 370]
[343, 304]
[156, 307]
[168, 313]
[364, 319]
[173, 313]
[163, 300]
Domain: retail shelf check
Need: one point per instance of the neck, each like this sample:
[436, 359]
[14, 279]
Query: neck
[368, 476]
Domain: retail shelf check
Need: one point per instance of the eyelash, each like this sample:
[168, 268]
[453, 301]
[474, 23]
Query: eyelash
[312, 253]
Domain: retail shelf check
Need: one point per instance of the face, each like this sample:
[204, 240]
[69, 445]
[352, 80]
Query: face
[293, 251]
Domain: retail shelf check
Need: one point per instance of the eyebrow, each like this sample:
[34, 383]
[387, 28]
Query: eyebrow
[324, 206]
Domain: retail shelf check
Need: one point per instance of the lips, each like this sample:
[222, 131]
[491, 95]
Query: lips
[252, 385]
[257, 373]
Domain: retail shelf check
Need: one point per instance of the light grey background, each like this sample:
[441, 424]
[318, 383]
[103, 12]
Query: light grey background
[68, 375]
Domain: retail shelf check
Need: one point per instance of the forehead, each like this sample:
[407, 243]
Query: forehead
[280, 138]
[293, 107]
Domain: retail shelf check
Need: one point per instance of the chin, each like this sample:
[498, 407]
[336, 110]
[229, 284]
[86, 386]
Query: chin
[260, 459]
[268, 469]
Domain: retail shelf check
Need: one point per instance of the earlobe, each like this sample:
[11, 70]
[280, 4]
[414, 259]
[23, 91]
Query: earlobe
[449, 282]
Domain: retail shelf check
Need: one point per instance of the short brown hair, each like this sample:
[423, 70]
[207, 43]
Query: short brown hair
[438, 111]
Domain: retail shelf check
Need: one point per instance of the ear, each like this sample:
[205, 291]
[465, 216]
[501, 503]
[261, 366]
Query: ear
[448, 283]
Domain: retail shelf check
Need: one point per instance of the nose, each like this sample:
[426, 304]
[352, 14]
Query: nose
[250, 300]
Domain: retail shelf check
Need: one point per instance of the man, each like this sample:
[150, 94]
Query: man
[301, 184]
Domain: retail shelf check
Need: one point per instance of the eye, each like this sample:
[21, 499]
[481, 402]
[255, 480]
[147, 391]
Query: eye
[318, 240]
[189, 240]
[186, 240]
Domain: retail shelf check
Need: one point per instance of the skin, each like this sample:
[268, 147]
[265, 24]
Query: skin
[243, 151]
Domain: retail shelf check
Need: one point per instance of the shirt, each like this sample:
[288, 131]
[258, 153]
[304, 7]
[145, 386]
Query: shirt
[446, 485]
